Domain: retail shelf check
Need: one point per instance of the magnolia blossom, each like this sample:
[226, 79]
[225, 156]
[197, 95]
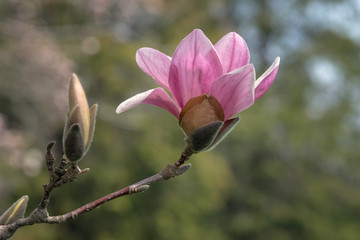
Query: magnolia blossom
[208, 84]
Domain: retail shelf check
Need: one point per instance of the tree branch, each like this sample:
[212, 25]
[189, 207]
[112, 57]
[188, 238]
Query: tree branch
[169, 172]
[62, 174]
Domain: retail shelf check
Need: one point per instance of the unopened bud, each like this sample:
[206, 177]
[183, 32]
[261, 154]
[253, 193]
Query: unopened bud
[15, 212]
[80, 124]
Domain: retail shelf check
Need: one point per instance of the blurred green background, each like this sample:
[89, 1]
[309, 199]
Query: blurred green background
[290, 169]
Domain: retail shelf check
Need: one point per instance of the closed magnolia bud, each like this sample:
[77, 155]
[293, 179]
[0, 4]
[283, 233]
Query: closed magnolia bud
[80, 124]
[15, 212]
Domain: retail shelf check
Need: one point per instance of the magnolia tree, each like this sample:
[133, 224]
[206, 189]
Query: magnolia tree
[202, 85]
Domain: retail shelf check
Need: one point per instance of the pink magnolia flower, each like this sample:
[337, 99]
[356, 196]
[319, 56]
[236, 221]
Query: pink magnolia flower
[208, 85]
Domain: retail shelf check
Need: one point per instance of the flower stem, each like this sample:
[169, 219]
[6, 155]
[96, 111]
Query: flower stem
[186, 154]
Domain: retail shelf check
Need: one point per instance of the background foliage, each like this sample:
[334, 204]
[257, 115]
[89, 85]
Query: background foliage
[290, 170]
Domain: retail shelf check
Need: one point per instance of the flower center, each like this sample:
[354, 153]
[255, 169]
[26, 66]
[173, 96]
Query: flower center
[200, 111]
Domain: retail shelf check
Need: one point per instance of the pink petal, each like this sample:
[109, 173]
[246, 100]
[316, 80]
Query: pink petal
[157, 97]
[235, 90]
[233, 52]
[264, 82]
[155, 64]
[195, 66]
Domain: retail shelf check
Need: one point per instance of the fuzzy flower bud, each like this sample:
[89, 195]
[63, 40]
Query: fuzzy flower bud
[15, 212]
[80, 123]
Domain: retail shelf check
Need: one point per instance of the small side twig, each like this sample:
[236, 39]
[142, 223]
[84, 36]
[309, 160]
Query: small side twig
[49, 157]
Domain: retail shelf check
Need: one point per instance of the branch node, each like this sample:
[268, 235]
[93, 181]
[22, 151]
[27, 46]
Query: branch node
[182, 169]
[72, 172]
[138, 189]
[172, 170]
